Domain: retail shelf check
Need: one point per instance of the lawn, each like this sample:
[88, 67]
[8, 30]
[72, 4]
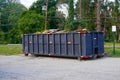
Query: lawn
[10, 49]
[109, 51]
[111, 44]
[17, 49]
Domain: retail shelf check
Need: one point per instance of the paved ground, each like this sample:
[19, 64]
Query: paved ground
[43, 68]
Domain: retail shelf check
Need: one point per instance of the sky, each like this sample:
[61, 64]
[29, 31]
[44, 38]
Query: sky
[28, 3]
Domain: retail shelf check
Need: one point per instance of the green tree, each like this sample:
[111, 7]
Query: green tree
[15, 36]
[2, 37]
[86, 14]
[109, 17]
[31, 22]
[60, 20]
[117, 15]
[69, 24]
[10, 12]
[15, 11]
[52, 20]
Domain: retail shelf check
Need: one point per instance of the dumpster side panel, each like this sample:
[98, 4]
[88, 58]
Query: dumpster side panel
[77, 44]
[45, 44]
[89, 51]
[95, 39]
[83, 44]
[40, 44]
[35, 42]
[70, 44]
[100, 43]
[57, 44]
[25, 43]
[51, 43]
[95, 43]
[31, 44]
[86, 45]
[63, 44]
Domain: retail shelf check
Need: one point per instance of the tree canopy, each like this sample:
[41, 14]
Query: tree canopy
[10, 12]
[15, 19]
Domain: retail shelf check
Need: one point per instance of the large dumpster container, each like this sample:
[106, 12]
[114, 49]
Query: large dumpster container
[73, 44]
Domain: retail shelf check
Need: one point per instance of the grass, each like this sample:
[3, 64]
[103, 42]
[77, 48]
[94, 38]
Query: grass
[109, 52]
[10, 49]
[111, 44]
[17, 49]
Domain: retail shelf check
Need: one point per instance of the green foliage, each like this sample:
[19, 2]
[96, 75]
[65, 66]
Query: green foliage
[2, 34]
[31, 22]
[13, 23]
[14, 14]
[52, 20]
[77, 23]
[37, 7]
[69, 24]
[60, 20]
[87, 13]
[15, 36]
[71, 11]
[9, 14]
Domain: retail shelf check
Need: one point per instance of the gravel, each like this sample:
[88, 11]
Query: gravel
[20, 67]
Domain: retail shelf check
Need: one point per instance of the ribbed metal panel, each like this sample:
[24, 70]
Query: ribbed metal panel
[64, 44]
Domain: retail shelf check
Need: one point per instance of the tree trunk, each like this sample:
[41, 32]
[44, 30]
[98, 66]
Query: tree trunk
[98, 28]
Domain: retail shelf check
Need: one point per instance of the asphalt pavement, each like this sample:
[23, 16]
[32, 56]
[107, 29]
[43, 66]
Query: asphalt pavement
[19, 67]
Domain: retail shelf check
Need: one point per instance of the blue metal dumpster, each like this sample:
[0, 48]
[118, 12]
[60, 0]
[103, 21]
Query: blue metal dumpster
[72, 44]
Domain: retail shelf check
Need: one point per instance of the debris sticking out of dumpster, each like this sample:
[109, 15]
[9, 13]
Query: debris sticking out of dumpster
[37, 33]
[71, 44]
